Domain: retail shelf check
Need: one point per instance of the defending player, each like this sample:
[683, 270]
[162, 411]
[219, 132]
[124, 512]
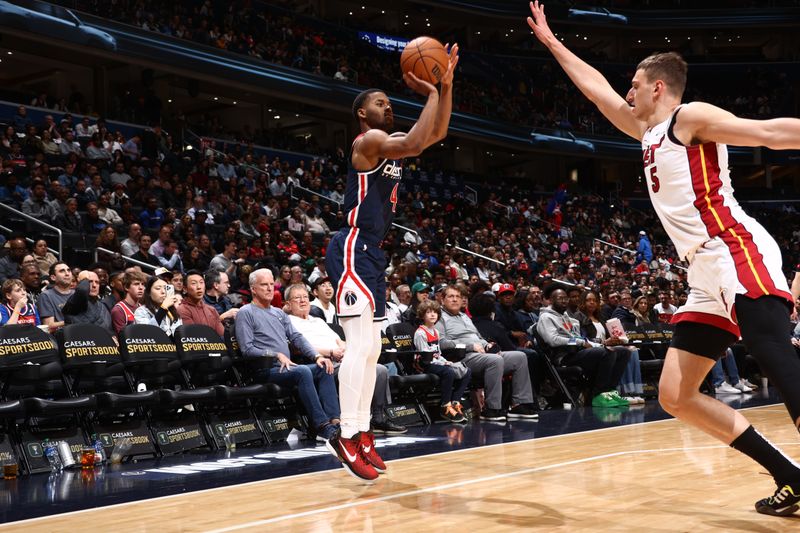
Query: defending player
[355, 261]
[737, 286]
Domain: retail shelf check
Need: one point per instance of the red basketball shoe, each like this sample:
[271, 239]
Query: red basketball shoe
[368, 446]
[351, 453]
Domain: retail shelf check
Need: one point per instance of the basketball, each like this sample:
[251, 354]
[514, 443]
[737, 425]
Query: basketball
[426, 58]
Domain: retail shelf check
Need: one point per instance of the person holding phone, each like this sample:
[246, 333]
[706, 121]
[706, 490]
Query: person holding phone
[158, 306]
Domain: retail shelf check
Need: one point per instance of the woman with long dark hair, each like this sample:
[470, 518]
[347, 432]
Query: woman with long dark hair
[593, 328]
[158, 306]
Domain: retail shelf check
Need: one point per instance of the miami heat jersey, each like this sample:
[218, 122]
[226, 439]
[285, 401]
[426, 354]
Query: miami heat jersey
[370, 197]
[728, 251]
[690, 187]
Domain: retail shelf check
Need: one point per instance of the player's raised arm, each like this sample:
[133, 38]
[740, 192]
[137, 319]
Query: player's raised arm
[702, 122]
[377, 144]
[590, 82]
[445, 99]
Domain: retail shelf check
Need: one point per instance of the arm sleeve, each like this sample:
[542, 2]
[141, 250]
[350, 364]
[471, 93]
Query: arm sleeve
[169, 264]
[244, 334]
[444, 342]
[186, 317]
[550, 332]
[79, 301]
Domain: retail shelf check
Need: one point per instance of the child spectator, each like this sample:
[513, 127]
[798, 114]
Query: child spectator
[453, 377]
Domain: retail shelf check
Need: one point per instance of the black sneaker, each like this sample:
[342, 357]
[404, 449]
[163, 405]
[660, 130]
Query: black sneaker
[524, 411]
[496, 415]
[782, 503]
[387, 427]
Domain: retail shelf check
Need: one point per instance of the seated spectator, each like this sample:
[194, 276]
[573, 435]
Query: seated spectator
[31, 277]
[37, 205]
[403, 293]
[317, 332]
[563, 335]
[11, 263]
[263, 330]
[664, 309]
[217, 288]
[159, 307]
[484, 358]
[640, 311]
[111, 252]
[53, 299]
[315, 224]
[144, 254]
[453, 377]
[123, 312]
[91, 220]
[15, 308]
[171, 258]
[420, 292]
[630, 386]
[322, 307]
[84, 306]
[505, 314]
[106, 213]
[131, 245]
[193, 309]
[528, 306]
[393, 314]
[225, 261]
[151, 217]
[624, 311]
[319, 271]
[160, 244]
[44, 258]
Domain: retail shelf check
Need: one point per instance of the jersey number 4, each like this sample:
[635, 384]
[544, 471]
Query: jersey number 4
[655, 184]
[393, 198]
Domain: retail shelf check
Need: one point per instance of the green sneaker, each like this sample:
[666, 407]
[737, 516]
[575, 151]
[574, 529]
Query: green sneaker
[604, 399]
[621, 402]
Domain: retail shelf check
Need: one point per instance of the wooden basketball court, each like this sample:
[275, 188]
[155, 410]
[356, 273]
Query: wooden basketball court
[656, 476]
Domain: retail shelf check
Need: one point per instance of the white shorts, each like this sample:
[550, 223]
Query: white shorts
[744, 260]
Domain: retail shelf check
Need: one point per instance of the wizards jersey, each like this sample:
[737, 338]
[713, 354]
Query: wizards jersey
[370, 197]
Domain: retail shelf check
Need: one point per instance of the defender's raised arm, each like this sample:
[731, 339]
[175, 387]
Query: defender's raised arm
[590, 82]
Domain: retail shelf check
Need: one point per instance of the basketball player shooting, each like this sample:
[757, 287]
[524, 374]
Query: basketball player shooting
[355, 261]
[737, 287]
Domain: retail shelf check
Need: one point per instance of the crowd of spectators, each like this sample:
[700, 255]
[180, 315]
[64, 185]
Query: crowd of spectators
[204, 221]
[515, 89]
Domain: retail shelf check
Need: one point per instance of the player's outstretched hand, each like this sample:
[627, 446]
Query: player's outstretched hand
[447, 79]
[417, 85]
[538, 23]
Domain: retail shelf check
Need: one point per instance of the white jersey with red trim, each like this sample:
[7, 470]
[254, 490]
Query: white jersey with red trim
[690, 187]
[370, 196]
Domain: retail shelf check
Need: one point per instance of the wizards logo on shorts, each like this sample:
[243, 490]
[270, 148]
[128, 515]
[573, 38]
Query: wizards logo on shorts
[350, 298]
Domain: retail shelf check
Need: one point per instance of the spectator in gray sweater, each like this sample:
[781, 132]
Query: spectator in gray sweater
[484, 358]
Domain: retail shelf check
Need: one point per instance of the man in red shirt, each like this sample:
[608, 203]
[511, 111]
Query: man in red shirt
[193, 309]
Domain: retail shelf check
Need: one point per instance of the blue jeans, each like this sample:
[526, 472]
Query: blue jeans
[718, 376]
[452, 388]
[631, 381]
[316, 388]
